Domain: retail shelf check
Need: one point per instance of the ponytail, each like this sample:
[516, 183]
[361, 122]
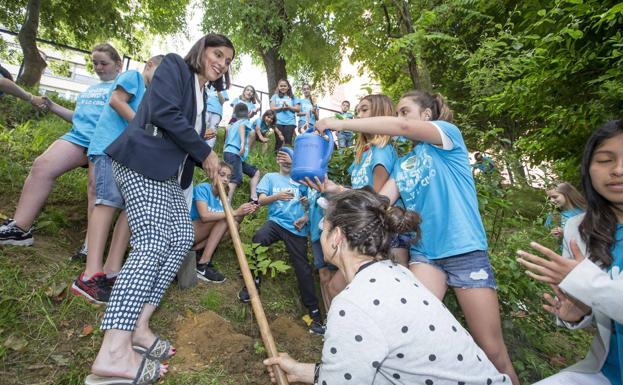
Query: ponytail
[436, 103]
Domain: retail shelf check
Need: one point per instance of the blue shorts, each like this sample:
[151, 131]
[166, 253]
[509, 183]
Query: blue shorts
[468, 271]
[318, 255]
[106, 190]
[239, 167]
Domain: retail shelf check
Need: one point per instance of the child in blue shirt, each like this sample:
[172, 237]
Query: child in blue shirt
[66, 153]
[345, 138]
[262, 127]
[249, 98]
[435, 179]
[569, 202]
[287, 222]
[309, 110]
[127, 93]
[236, 151]
[214, 113]
[587, 279]
[285, 104]
[210, 225]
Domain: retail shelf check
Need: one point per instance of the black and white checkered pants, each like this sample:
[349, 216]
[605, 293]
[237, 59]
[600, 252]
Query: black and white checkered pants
[162, 234]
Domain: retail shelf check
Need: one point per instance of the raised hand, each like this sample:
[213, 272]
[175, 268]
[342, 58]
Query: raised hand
[564, 307]
[552, 269]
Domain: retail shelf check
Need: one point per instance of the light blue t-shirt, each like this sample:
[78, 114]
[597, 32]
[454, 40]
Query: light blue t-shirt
[613, 365]
[361, 174]
[110, 124]
[248, 131]
[88, 109]
[263, 126]
[203, 193]
[250, 105]
[315, 214]
[213, 104]
[284, 213]
[286, 117]
[232, 141]
[307, 107]
[438, 184]
[565, 215]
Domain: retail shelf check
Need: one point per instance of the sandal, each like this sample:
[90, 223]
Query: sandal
[148, 373]
[159, 350]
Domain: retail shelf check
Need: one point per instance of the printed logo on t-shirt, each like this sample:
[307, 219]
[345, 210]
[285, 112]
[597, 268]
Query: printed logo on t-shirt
[416, 172]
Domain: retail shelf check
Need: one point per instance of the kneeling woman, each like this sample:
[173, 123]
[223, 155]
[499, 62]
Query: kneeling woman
[385, 326]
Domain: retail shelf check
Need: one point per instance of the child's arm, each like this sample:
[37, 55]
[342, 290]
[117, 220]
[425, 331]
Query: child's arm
[119, 102]
[61, 111]
[295, 108]
[416, 130]
[242, 132]
[205, 215]
[264, 199]
[244, 209]
[314, 111]
[301, 222]
[279, 134]
[258, 132]
[274, 107]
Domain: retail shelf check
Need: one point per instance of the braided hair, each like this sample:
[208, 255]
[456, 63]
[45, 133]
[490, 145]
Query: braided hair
[369, 222]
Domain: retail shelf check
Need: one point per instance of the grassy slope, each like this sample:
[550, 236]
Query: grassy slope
[46, 337]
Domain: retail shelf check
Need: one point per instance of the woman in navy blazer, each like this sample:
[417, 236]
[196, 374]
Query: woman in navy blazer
[153, 160]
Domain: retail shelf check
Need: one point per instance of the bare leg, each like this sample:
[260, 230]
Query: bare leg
[97, 234]
[401, 256]
[118, 245]
[59, 158]
[335, 286]
[431, 277]
[253, 184]
[482, 313]
[214, 238]
[143, 336]
[202, 231]
[232, 190]
[325, 276]
[116, 358]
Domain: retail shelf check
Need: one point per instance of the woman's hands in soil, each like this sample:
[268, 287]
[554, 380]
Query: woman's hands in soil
[294, 370]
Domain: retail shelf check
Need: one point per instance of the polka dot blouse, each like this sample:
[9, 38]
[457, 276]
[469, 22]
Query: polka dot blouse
[386, 328]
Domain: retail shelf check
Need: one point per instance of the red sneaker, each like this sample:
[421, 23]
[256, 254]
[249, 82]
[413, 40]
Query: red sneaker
[95, 289]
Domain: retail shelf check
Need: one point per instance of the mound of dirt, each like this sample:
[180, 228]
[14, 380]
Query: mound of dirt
[293, 337]
[207, 338]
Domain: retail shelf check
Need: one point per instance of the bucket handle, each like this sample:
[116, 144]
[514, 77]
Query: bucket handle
[327, 154]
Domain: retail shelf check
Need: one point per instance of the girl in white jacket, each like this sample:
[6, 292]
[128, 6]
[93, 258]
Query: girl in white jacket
[587, 279]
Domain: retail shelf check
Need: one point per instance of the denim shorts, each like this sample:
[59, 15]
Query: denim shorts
[239, 167]
[468, 271]
[318, 255]
[106, 190]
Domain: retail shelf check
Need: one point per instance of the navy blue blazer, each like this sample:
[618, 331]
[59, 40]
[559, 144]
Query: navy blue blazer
[162, 134]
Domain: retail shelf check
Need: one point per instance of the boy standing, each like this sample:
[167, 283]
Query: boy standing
[345, 138]
[287, 222]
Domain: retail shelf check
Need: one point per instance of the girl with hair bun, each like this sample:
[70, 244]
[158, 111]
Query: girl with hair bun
[384, 327]
[435, 180]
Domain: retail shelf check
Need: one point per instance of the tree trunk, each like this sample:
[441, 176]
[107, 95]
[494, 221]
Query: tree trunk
[406, 27]
[275, 68]
[34, 64]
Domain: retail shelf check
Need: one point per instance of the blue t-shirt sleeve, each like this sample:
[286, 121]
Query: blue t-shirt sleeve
[264, 187]
[452, 132]
[130, 81]
[273, 98]
[201, 192]
[234, 102]
[296, 101]
[385, 157]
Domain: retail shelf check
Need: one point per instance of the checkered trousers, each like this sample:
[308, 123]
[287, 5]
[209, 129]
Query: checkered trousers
[162, 234]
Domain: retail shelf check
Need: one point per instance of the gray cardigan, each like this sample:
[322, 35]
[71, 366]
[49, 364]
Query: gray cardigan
[593, 286]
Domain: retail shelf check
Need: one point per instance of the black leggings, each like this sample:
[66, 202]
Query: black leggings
[288, 132]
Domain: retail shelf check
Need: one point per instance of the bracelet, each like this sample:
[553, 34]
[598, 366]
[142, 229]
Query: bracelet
[316, 373]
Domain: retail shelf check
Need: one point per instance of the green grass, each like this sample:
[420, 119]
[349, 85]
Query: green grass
[42, 328]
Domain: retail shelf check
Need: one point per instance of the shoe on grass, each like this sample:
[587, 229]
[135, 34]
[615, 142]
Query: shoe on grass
[94, 289]
[207, 272]
[81, 254]
[316, 326]
[11, 234]
[243, 294]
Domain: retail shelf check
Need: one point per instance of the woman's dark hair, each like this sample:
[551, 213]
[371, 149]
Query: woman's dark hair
[600, 223]
[436, 102]
[6, 74]
[369, 222]
[194, 57]
[289, 93]
[108, 49]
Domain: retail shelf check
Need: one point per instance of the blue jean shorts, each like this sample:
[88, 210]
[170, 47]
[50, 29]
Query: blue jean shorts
[239, 167]
[106, 190]
[318, 255]
[468, 271]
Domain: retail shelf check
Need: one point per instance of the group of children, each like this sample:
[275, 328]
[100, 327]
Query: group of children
[434, 179]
